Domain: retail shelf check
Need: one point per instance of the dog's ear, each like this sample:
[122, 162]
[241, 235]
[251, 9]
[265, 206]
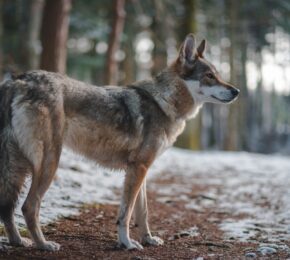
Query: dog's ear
[201, 48]
[187, 50]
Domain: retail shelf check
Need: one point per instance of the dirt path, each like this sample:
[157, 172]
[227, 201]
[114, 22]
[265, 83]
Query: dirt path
[188, 234]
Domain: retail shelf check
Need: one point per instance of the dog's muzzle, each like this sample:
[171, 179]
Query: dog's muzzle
[235, 92]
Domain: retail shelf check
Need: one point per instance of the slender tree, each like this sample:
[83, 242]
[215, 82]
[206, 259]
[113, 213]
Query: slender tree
[192, 134]
[33, 31]
[231, 142]
[54, 35]
[114, 42]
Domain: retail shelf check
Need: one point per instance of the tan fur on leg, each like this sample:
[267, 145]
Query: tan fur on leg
[134, 178]
[141, 218]
[40, 183]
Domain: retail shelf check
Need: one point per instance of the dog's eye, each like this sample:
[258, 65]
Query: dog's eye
[210, 75]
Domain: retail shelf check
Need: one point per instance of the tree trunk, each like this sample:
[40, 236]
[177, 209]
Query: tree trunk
[54, 35]
[192, 133]
[33, 31]
[160, 31]
[231, 142]
[119, 14]
[188, 23]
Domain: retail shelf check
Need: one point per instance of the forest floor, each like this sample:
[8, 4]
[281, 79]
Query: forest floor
[230, 206]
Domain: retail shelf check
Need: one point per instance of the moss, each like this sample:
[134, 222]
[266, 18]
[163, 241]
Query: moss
[23, 232]
[89, 205]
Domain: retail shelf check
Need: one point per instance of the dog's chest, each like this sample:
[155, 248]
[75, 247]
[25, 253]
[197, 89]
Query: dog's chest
[170, 136]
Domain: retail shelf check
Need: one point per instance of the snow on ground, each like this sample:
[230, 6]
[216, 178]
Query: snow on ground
[253, 189]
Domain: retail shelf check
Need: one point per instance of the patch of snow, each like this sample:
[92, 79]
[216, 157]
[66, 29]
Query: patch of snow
[243, 229]
[252, 187]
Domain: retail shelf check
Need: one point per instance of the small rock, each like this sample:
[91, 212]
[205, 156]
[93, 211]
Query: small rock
[75, 168]
[266, 250]
[184, 234]
[176, 236]
[250, 255]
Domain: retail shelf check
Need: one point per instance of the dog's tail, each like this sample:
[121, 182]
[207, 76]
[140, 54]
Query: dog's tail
[11, 180]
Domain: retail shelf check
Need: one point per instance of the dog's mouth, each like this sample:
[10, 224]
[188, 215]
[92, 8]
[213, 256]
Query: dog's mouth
[222, 100]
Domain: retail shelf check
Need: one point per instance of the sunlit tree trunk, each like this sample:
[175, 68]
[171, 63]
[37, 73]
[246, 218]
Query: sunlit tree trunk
[231, 142]
[192, 134]
[194, 125]
[114, 42]
[54, 35]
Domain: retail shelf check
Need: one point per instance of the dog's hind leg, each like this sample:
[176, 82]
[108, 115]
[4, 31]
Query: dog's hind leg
[141, 219]
[133, 181]
[39, 131]
[11, 230]
[44, 172]
[12, 176]
[41, 181]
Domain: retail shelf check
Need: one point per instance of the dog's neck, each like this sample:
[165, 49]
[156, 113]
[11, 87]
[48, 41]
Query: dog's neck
[177, 94]
[172, 95]
[161, 93]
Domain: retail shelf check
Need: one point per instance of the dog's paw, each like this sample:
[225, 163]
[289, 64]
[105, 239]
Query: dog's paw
[26, 242]
[131, 245]
[153, 241]
[49, 246]
[135, 245]
[23, 242]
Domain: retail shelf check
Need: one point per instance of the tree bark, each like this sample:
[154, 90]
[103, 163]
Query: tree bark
[111, 77]
[54, 35]
[192, 135]
[33, 31]
[231, 142]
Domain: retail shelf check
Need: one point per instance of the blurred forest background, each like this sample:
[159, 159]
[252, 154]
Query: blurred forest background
[119, 41]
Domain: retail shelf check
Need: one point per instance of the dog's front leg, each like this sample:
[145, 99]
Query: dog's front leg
[141, 219]
[133, 181]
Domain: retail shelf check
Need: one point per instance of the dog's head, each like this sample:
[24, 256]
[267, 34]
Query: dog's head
[200, 76]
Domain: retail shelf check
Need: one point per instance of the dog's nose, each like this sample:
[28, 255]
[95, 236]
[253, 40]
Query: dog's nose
[235, 91]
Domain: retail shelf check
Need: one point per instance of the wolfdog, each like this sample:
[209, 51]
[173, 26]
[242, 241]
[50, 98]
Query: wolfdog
[122, 128]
